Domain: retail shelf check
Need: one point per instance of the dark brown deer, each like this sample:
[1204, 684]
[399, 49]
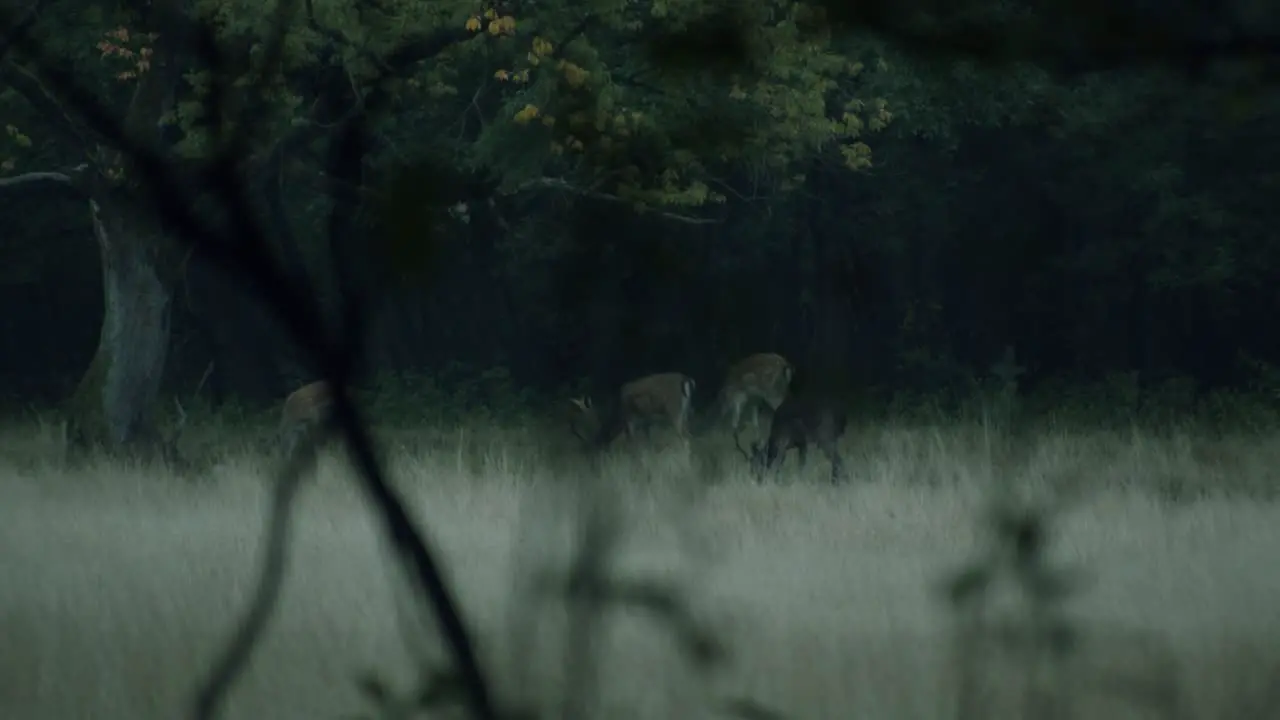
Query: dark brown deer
[798, 422]
[662, 398]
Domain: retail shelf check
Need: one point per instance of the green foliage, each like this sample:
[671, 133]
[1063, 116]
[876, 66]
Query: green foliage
[584, 95]
[606, 108]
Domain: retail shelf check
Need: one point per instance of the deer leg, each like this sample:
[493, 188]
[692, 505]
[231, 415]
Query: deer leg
[295, 435]
[837, 464]
[756, 465]
[759, 466]
[777, 458]
[735, 413]
[837, 468]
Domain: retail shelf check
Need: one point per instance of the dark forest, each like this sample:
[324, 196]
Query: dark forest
[894, 222]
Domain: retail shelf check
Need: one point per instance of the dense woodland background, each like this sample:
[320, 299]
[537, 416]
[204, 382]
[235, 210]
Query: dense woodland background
[897, 222]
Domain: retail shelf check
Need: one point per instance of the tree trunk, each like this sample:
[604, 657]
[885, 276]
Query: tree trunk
[112, 408]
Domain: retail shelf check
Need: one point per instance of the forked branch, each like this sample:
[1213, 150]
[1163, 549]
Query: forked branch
[240, 246]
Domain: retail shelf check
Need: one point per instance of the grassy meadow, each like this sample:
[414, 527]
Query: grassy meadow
[119, 583]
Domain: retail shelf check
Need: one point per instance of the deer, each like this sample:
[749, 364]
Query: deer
[763, 377]
[306, 410]
[664, 397]
[797, 422]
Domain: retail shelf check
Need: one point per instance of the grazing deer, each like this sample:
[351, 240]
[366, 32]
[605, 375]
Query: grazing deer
[760, 378]
[665, 397]
[796, 423]
[306, 410]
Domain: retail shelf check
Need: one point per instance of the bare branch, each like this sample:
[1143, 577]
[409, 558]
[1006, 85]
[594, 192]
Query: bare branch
[265, 601]
[242, 248]
[33, 90]
[41, 177]
[34, 177]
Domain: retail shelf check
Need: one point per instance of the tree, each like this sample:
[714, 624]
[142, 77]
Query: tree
[113, 403]
[661, 105]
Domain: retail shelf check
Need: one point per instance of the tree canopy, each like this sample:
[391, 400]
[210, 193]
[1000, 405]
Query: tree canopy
[657, 104]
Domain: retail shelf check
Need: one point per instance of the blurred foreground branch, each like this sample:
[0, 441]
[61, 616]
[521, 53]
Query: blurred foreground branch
[240, 247]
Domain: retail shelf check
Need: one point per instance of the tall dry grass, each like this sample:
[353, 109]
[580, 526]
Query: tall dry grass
[118, 583]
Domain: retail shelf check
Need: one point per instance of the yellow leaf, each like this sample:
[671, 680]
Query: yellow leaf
[501, 75]
[525, 114]
[574, 75]
[473, 24]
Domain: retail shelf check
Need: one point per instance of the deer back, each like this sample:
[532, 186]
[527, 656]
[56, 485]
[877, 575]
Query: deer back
[763, 375]
[664, 395]
[661, 394]
[308, 404]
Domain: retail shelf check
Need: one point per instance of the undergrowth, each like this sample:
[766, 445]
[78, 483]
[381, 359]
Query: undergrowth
[1000, 517]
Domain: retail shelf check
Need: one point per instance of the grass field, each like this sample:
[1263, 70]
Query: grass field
[118, 584]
